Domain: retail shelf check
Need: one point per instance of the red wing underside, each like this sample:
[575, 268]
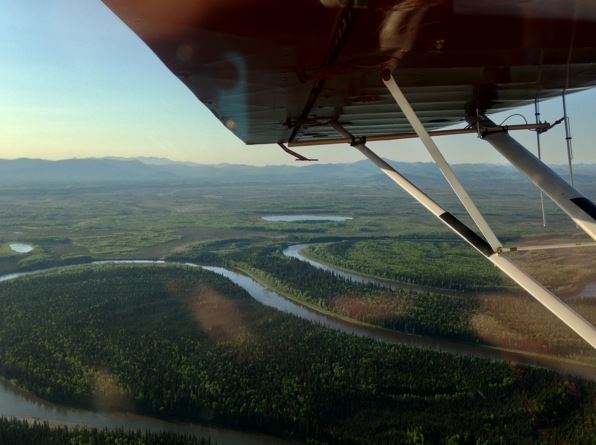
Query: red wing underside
[280, 70]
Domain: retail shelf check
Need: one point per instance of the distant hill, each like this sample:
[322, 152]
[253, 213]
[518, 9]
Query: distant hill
[78, 170]
[159, 170]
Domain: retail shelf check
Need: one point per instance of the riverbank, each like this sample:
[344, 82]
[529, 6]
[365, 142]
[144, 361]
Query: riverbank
[18, 402]
[583, 285]
[321, 345]
[316, 261]
[509, 320]
[268, 293]
[27, 431]
[564, 366]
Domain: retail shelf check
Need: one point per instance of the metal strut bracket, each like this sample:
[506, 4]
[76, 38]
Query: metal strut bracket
[298, 156]
[567, 315]
[579, 208]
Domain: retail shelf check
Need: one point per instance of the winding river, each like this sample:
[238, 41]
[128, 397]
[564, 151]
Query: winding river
[20, 404]
[294, 252]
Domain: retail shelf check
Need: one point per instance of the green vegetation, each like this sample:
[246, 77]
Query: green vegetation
[504, 320]
[139, 338]
[6, 251]
[413, 312]
[19, 432]
[217, 222]
[427, 262]
[187, 344]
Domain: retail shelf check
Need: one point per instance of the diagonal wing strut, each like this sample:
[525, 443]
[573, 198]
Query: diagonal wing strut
[567, 315]
[440, 160]
[579, 208]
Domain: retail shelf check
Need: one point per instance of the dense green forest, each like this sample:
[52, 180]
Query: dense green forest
[428, 262]
[414, 312]
[503, 320]
[187, 344]
[18, 432]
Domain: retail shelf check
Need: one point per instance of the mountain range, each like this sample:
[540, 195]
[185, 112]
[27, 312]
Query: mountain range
[160, 170]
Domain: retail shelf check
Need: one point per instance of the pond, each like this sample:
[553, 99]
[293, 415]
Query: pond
[302, 218]
[589, 291]
[20, 247]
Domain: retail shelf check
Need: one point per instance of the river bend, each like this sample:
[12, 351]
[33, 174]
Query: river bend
[20, 404]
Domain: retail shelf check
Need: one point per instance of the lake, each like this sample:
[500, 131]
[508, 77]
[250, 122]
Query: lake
[20, 247]
[302, 218]
[589, 291]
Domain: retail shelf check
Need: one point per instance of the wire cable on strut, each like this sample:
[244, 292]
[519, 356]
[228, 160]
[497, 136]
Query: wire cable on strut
[513, 115]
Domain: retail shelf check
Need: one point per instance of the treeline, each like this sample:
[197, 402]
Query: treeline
[187, 344]
[408, 311]
[314, 285]
[435, 263]
[502, 320]
[14, 431]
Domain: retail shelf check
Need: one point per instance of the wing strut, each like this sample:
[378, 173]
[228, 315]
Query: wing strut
[579, 208]
[567, 315]
[440, 160]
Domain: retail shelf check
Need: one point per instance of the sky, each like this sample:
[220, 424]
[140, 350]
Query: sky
[76, 82]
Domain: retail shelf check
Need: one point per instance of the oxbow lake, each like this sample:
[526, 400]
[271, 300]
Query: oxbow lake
[301, 218]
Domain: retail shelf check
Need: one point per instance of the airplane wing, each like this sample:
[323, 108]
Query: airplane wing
[277, 71]
[306, 71]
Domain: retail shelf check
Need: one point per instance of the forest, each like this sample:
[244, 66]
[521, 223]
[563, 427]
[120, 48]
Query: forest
[430, 262]
[430, 313]
[497, 319]
[14, 431]
[186, 344]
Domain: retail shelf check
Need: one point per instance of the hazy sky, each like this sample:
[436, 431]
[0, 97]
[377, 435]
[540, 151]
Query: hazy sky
[75, 82]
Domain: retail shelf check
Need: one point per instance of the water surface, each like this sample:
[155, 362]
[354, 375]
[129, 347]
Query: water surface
[20, 404]
[589, 291]
[20, 247]
[299, 218]
[17, 403]
[295, 252]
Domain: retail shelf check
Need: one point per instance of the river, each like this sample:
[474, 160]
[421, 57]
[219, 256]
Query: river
[294, 252]
[588, 291]
[454, 347]
[22, 405]
[17, 403]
